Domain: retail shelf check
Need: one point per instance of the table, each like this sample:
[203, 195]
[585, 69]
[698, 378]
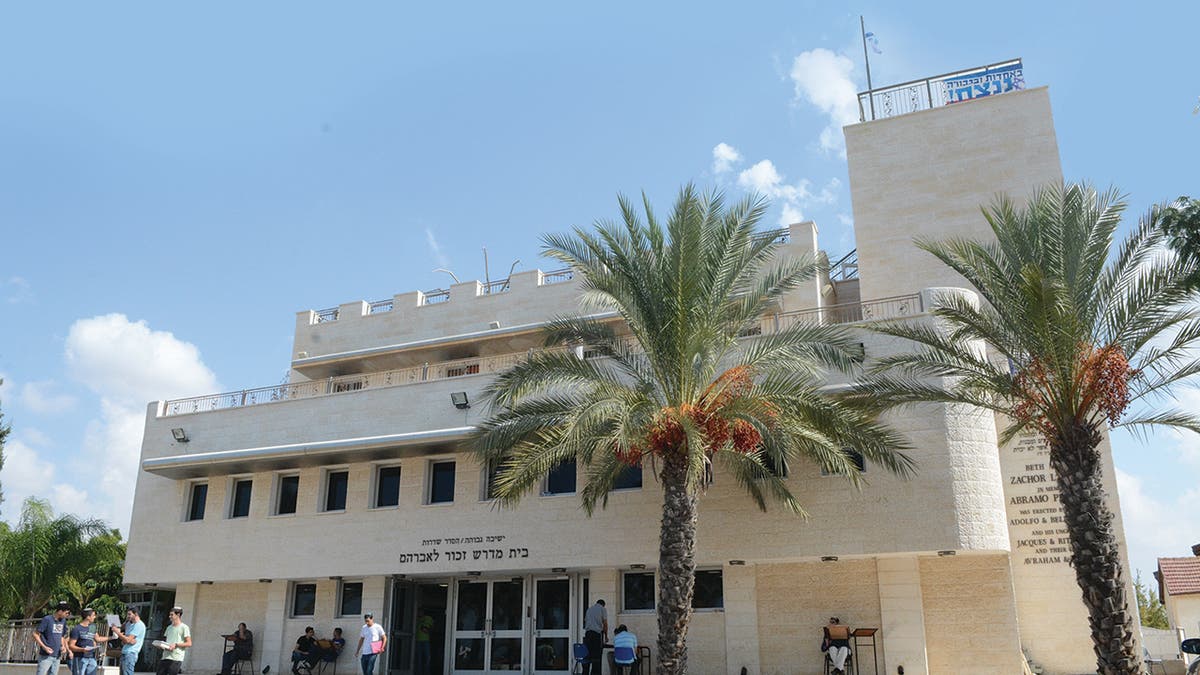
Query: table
[864, 634]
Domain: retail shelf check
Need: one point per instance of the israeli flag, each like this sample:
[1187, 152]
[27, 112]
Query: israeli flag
[874, 42]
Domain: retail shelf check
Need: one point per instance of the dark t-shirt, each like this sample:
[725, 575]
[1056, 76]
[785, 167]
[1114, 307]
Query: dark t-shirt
[84, 637]
[305, 644]
[52, 633]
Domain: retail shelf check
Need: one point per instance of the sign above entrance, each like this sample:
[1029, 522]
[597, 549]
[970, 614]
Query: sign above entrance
[461, 549]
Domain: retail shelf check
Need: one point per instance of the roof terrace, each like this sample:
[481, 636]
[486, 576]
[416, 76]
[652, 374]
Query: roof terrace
[940, 90]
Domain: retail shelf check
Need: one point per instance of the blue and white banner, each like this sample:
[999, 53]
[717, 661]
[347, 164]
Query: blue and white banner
[984, 83]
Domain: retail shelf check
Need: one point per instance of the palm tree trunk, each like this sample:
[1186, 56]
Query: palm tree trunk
[676, 566]
[1094, 552]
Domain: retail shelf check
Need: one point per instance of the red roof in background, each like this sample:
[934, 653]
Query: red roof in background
[1180, 575]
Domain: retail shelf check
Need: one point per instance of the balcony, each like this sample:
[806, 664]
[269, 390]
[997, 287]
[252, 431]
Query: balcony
[940, 90]
[849, 313]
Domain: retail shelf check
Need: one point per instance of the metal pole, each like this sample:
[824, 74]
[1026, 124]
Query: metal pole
[862, 24]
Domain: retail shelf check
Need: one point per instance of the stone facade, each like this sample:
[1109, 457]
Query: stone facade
[359, 481]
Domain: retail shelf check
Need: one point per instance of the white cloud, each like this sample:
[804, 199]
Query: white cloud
[765, 179]
[26, 473]
[1150, 531]
[790, 214]
[724, 157]
[127, 365]
[435, 249]
[822, 78]
[43, 398]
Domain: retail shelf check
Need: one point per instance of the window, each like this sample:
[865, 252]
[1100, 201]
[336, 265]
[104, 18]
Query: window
[239, 506]
[710, 592]
[304, 599]
[631, 477]
[776, 467]
[336, 484]
[638, 592]
[197, 496]
[287, 494]
[561, 479]
[387, 486]
[856, 458]
[490, 473]
[441, 483]
[350, 599]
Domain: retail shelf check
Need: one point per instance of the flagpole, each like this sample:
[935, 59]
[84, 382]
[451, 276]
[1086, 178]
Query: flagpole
[862, 24]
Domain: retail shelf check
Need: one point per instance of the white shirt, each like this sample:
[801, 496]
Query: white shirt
[370, 635]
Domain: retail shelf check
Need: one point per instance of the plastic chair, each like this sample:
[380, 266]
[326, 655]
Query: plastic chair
[580, 651]
[623, 657]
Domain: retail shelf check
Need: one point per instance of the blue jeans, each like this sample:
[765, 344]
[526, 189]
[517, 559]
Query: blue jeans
[83, 665]
[128, 661]
[423, 657]
[368, 663]
[47, 664]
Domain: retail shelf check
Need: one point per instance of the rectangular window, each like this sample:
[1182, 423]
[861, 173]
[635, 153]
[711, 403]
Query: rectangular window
[197, 496]
[630, 478]
[350, 602]
[239, 506]
[336, 484]
[638, 591]
[710, 592]
[441, 483]
[387, 486]
[561, 480]
[490, 473]
[304, 599]
[289, 492]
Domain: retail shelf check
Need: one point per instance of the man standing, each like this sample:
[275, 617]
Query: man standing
[595, 626]
[178, 637]
[424, 651]
[131, 640]
[81, 643]
[49, 639]
[372, 640]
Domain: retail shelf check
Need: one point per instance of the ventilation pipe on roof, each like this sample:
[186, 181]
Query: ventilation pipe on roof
[1196, 550]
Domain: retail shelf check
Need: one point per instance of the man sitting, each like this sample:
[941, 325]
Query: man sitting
[837, 644]
[242, 649]
[328, 650]
[623, 637]
[305, 654]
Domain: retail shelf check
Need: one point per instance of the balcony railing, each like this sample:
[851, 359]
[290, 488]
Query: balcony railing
[887, 308]
[940, 90]
[845, 268]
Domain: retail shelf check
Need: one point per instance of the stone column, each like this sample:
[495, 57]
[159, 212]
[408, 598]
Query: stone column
[741, 619]
[272, 637]
[903, 617]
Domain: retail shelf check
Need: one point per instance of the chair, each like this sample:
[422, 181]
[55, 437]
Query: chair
[622, 658]
[849, 664]
[580, 651]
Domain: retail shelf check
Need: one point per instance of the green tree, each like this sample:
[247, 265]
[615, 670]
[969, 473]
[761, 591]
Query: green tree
[1073, 337]
[1153, 614]
[680, 392]
[4, 430]
[42, 551]
[1180, 220]
[98, 581]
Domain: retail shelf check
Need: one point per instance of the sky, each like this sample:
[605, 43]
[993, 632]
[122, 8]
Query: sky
[176, 180]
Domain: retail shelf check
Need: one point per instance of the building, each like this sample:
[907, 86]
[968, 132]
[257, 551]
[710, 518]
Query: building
[1179, 592]
[348, 490]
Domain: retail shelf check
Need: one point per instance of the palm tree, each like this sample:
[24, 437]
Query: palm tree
[1074, 334]
[680, 391]
[42, 551]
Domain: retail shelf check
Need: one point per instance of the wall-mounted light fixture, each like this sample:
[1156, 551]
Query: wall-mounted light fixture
[459, 399]
[180, 435]
[829, 558]
[737, 563]
[474, 574]
[943, 554]
[206, 583]
[559, 570]
[335, 578]
[494, 325]
[637, 566]
[151, 585]
[264, 581]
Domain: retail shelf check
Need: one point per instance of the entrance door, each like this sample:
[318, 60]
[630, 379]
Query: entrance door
[400, 638]
[489, 626]
[551, 625]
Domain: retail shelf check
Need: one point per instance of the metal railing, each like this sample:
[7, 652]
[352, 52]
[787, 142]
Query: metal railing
[939, 90]
[16, 641]
[875, 310]
[326, 315]
[780, 236]
[557, 276]
[380, 306]
[436, 297]
[494, 287]
[845, 268]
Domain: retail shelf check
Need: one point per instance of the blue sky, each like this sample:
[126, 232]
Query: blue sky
[176, 181]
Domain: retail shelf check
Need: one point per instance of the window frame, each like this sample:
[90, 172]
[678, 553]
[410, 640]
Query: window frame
[488, 473]
[296, 586]
[277, 494]
[341, 598]
[430, 472]
[323, 498]
[234, 482]
[189, 502]
[639, 486]
[720, 575]
[545, 492]
[376, 470]
[625, 608]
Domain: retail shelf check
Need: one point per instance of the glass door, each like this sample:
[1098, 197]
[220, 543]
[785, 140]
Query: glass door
[400, 628]
[489, 628]
[551, 625]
